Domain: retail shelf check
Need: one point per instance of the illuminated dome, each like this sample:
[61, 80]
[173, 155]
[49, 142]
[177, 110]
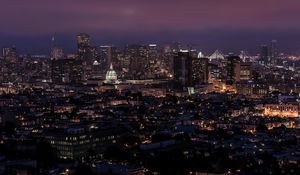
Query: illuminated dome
[111, 76]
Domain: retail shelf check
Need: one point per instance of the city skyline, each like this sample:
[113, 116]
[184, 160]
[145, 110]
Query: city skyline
[210, 25]
[161, 87]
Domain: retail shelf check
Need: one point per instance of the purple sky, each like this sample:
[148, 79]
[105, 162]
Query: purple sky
[210, 24]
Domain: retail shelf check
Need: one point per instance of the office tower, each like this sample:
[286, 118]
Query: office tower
[264, 54]
[167, 57]
[182, 68]
[246, 71]
[56, 52]
[138, 60]
[233, 69]
[67, 71]
[83, 43]
[273, 52]
[215, 73]
[153, 53]
[199, 68]
[107, 55]
[10, 54]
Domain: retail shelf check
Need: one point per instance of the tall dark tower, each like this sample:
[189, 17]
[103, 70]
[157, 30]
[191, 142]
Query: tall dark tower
[182, 68]
[273, 52]
[264, 53]
[233, 69]
[107, 54]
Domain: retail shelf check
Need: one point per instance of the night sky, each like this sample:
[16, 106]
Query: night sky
[229, 25]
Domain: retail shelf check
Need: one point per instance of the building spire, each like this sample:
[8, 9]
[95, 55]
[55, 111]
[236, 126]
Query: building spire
[53, 42]
[111, 66]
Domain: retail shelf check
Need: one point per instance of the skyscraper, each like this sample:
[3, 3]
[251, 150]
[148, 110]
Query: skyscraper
[56, 52]
[83, 44]
[264, 54]
[199, 68]
[106, 54]
[273, 52]
[233, 69]
[246, 71]
[10, 54]
[182, 67]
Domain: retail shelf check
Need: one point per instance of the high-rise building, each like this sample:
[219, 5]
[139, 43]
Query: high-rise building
[56, 52]
[233, 69]
[264, 54]
[10, 54]
[107, 54]
[83, 46]
[138, 58]
[199, 68]
[273, 52]
[246, 71]
[182, 68]
[215, 73]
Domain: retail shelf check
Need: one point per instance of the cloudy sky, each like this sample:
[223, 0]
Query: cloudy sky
[229, 25]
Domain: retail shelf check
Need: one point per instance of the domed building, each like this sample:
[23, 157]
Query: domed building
[111, 76]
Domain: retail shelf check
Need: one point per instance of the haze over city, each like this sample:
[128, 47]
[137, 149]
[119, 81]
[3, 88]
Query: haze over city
[230, 25]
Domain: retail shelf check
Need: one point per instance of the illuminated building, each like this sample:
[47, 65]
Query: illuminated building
[83, 42]
[156, 92]
[215, 73]
[281, 110]
[246, 71]
[199, 68]
[85, 51]
[57, 53]
[73, 143]
[111, 76]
